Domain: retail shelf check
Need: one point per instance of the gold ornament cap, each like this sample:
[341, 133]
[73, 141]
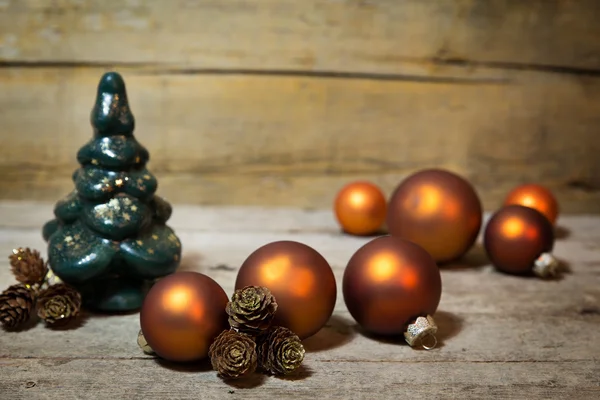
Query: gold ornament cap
[422, 332]
[546, 266]
[52, 278]
[141, 341]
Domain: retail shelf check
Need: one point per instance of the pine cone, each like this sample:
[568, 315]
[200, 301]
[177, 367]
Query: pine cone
[28, 266]
[280, 351]
[58, 302]
[16, 303]
[251, 309]
[233, 354]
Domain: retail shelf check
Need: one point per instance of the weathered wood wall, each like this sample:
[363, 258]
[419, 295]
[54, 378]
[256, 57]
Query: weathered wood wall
[280, 102]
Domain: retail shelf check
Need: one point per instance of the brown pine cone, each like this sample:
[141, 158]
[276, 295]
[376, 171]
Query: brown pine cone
[280, 351]
[28, 266]
[251, 309]
[58, 303]
[233, 354]
[16, 303]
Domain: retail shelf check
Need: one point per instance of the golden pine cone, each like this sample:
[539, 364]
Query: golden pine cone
[233, 354]
[16, 304]
[58, 303]
[28, 266]
[251, 309]
[280, 351]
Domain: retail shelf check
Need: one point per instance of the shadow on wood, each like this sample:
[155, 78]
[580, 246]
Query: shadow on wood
[473, 259]
[246, 382]
[564, 266]
[222, 267]
[374, 235]
[391, 339]
[71, 324]
[335, 333]
[192, 367]
[300, 374]
[562, 270]
[449, 325]
[561, 232]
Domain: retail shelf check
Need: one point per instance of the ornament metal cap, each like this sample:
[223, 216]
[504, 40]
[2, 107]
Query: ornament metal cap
[51, 278]
[546, 266]
[423, 328]
[141, 341]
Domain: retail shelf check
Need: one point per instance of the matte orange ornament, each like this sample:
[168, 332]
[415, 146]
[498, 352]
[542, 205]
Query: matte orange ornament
[301, 281]
[518, 240]
[182, 314]
[393, 286]
[438, 210]
[534, 196]
[360, 208]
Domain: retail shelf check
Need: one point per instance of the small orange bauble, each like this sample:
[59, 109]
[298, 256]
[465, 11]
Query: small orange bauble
[360, 208]
[301, 281]
[182, 314]
[534, 196]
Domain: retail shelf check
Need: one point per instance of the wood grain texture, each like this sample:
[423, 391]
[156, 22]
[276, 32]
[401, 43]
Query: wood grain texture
[144, 379]
[282, 102]
[274, 141]
[372, 36]
[500, 336]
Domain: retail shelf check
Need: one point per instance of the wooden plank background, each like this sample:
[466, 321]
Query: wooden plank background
[280, 103]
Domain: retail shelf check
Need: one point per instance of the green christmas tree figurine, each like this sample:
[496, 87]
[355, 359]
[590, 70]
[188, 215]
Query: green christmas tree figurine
[110, 239]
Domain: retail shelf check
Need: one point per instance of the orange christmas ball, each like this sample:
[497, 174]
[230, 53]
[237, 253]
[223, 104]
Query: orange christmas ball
[515, 236]
[182, 314]
[534, 196]
[438, 210]
[388, 283]
[360, 208]
[301, 281]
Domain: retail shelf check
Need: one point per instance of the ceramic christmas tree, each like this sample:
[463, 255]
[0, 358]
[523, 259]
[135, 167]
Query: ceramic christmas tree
[110, 239]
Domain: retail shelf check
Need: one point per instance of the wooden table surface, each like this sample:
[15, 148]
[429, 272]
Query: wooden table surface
[500, 336]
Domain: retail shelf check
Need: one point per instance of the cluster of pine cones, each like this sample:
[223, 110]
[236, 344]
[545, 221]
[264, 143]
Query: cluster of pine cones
[252, 342]
[54, 303]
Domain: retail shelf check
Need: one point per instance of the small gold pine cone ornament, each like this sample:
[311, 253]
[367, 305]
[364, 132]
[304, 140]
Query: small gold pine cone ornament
[16, 303]
[28, 266]
[251, 309]
[58, 303]
[280, 351]
[233, 354]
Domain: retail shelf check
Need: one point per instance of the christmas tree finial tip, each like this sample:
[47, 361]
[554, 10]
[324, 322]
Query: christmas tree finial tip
[111, 82]
[111, 114]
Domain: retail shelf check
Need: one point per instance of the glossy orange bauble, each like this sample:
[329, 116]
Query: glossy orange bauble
[438, 210]
[301, 281]
[182, 314]
[515, 236]
[388, 283]
[360, 208]
[536, 197]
